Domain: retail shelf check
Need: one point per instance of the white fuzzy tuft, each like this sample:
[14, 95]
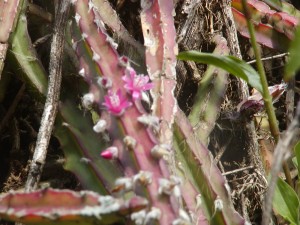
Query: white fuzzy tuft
[77, 18]
[82, 72]
[126, 182]
[143, 177]
[139, 217]
[100, 126]
[218, 204]
[153, 214]
[84, 35]
[88, 100]
[129, 142]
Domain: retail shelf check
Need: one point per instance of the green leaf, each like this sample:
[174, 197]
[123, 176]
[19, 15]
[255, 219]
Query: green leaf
[293, 64]
[297, 153]
[286, 202]
[231, 64]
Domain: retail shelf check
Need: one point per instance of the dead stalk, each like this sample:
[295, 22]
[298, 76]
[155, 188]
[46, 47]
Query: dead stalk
[52, 99]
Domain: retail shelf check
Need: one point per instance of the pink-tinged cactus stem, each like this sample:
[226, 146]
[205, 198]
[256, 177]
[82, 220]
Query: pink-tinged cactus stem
[7, 14]
[258, 9]
[161, 50]
[213, 175]
[90, 72]
[65, 206]
[109, 64]
[277, 22]
[265, 34]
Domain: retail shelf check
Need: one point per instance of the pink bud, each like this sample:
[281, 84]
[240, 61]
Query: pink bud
[110, 153]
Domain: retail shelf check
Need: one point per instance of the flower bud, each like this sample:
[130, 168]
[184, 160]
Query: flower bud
[110, 153]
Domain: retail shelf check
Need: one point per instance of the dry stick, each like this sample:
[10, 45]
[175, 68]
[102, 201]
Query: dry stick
[281, 151]
[51, 105]
[269, 58]
[237, 170]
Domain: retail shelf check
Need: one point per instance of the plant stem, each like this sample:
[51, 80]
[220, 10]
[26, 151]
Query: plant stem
[266, 94]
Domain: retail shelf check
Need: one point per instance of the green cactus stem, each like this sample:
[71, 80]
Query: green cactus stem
[205, 111]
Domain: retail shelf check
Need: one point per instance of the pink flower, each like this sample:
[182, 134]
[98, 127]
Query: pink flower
[136, 84]
[116, 103]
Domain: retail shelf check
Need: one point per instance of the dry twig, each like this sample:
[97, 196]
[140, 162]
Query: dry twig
[51, 105]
